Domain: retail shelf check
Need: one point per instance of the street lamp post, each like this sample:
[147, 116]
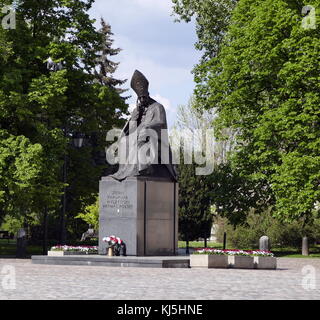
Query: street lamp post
[78, 141]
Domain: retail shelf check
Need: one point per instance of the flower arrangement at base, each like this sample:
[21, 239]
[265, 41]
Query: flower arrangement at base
[261, 253]
[250, 253]
[115, 245]
[82, 249]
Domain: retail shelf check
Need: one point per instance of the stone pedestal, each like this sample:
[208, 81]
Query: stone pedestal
[208, 261]
[265, 262]
[241, 262]
[143, 212]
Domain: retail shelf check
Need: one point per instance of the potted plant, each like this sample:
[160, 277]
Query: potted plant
[240, 259]
[209, 258]
[264, 259]
[59, 250]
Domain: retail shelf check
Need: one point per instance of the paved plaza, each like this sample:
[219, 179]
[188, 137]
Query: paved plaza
[295, 279]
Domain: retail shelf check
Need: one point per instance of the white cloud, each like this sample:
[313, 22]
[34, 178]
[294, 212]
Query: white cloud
[159, 74]
[130, 11]
[132, 106]
[164, 101]
[154, 4]
[153, 44]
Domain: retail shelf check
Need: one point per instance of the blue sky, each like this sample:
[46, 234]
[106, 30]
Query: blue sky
[155, 45]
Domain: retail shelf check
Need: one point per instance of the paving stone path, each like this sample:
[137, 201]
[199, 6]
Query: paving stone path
[294, 279]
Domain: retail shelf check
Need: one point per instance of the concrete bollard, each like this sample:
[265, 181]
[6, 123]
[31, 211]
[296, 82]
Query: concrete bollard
[264, 243]
[305, 246]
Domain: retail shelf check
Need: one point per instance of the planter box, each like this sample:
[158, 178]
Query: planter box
[208, 261]
[265, 262]
[241, 262]
[66, 253]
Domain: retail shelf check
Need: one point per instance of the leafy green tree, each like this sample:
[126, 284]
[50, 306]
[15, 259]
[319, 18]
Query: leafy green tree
[233, 194]
[195, 218]
[49, 108]
[247, 235]
[212, 19]
[12, 224]
[20, 167]
[264, 85]
[91, 215]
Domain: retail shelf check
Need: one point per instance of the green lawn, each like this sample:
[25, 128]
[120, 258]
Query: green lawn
[8, 248]
[288, 252]
[296, 253]
[200, 244]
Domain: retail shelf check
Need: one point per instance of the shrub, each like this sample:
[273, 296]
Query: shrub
[280, 234]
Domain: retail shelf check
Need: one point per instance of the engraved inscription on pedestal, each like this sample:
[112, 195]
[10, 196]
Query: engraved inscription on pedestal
[118, 203]
[119, 213]
[142, 212]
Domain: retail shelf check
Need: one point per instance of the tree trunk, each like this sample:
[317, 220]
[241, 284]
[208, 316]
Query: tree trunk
[45, 233]
[205, 242]
[224, 241]
[187, 247]
[63, 233]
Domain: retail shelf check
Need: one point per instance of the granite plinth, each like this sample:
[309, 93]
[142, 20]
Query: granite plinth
[67, 253]
[105, 261]
[241, 262]
[143, 212]
[208, 261]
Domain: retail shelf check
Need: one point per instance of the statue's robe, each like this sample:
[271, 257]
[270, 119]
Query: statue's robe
[145, 134]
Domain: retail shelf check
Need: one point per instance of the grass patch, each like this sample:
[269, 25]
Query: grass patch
[200, 244]
[285, 252]
[8, 248]
[290, 252]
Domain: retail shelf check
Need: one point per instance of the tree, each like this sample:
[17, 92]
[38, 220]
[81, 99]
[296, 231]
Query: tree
[194, 125]
[106, 67]
[231, 194]
[234, 194]
[264, 85]
[49, 108]
[91, 215]
[20, 167]
[212, 19]
[195, 218]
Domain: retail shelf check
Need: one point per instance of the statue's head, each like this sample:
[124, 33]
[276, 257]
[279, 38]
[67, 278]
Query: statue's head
[140, 85]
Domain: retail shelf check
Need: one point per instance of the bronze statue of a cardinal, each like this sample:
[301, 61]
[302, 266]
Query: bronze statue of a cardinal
[144, 144]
